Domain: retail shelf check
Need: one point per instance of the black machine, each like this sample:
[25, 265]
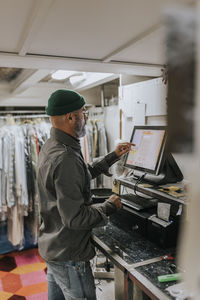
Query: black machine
[149, 159]
[150, 163]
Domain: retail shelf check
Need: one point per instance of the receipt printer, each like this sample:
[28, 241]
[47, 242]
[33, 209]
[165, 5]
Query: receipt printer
[162, 228]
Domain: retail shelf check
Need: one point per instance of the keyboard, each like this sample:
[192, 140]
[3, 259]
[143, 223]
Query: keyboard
[136, 202]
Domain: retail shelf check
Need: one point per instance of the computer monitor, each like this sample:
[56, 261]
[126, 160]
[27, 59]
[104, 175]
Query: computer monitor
[149, 159]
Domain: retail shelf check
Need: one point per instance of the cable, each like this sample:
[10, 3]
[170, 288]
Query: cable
[136, 184]
[138, 180]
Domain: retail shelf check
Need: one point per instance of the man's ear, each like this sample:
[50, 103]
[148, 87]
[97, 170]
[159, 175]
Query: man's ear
[69, 116]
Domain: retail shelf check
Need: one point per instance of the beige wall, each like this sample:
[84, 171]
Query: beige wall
[92, 96]
[128, 79]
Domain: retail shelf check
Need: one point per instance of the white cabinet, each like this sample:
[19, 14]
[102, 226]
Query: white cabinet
[151, 93]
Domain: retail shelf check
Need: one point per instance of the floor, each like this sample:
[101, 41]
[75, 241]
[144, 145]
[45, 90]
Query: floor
[105, 289]
[23, 276]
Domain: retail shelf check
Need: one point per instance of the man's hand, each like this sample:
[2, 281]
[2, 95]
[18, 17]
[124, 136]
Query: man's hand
[123, 148]
[116, 201]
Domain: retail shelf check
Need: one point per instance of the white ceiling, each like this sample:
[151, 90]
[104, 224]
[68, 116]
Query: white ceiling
[84, 35]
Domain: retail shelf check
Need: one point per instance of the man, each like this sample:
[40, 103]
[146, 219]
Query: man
[66, 211]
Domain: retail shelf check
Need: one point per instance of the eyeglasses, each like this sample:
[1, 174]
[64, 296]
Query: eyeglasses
[85, 113]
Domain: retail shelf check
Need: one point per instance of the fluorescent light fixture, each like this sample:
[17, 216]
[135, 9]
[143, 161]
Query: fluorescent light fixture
[62, 74]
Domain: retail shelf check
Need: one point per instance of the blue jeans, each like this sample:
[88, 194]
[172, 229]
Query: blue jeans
[70, 281]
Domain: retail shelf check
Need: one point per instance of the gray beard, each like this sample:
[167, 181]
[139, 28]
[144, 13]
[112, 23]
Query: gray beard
[80, 129]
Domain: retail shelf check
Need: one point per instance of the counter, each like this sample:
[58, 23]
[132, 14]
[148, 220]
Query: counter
[137, 257]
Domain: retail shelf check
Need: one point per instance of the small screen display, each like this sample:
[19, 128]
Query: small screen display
[147, 152]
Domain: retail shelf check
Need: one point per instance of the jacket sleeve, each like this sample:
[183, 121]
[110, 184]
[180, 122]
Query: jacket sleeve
[102, 166]
[69, 180]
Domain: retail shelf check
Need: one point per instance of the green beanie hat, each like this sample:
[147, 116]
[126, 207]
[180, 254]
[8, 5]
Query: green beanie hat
[64, 101]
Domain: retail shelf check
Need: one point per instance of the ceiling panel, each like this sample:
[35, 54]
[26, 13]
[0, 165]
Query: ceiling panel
[149, 50]
[14, 16]
[122, 37]
[89, 29]
[92, 29]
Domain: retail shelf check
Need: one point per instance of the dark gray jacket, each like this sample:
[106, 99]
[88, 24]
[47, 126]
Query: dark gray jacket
[64, 189]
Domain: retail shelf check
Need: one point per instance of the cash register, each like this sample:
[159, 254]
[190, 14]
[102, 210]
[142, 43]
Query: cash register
[149, 167]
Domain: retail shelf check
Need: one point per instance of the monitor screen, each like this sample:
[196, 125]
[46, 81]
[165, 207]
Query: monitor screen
[147, 153]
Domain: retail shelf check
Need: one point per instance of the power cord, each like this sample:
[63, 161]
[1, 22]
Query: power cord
[135, 186]
[137, 182]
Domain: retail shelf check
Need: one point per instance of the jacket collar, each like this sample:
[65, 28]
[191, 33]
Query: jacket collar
[65, 138]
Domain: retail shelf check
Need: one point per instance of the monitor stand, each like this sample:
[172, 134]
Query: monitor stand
[170, 173]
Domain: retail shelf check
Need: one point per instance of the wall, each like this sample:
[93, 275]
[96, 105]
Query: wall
[129, 79]
[112, 116]
[111, 119]
[142, 103]
[154, 99]
[39, 97]
[92, 96]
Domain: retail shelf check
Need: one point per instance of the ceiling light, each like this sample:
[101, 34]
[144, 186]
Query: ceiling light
[76, 79]
[62, 74]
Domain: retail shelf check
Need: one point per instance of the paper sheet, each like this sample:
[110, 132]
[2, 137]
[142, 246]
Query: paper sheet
[163, 211]
[138, 117]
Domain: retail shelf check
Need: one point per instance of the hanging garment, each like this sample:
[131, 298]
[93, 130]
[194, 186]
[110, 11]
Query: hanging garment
[102, 139]
[94, 146]
[8, 150]
[20, 168]
[32, 220]
[17, 211]
[90, 140]
[19, 204]
[16, 225]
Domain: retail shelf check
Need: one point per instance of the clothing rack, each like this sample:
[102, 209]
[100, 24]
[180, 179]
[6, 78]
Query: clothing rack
[96, 113]
[24, 116]
[21, 111]
[31, 116]
[19, 147]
